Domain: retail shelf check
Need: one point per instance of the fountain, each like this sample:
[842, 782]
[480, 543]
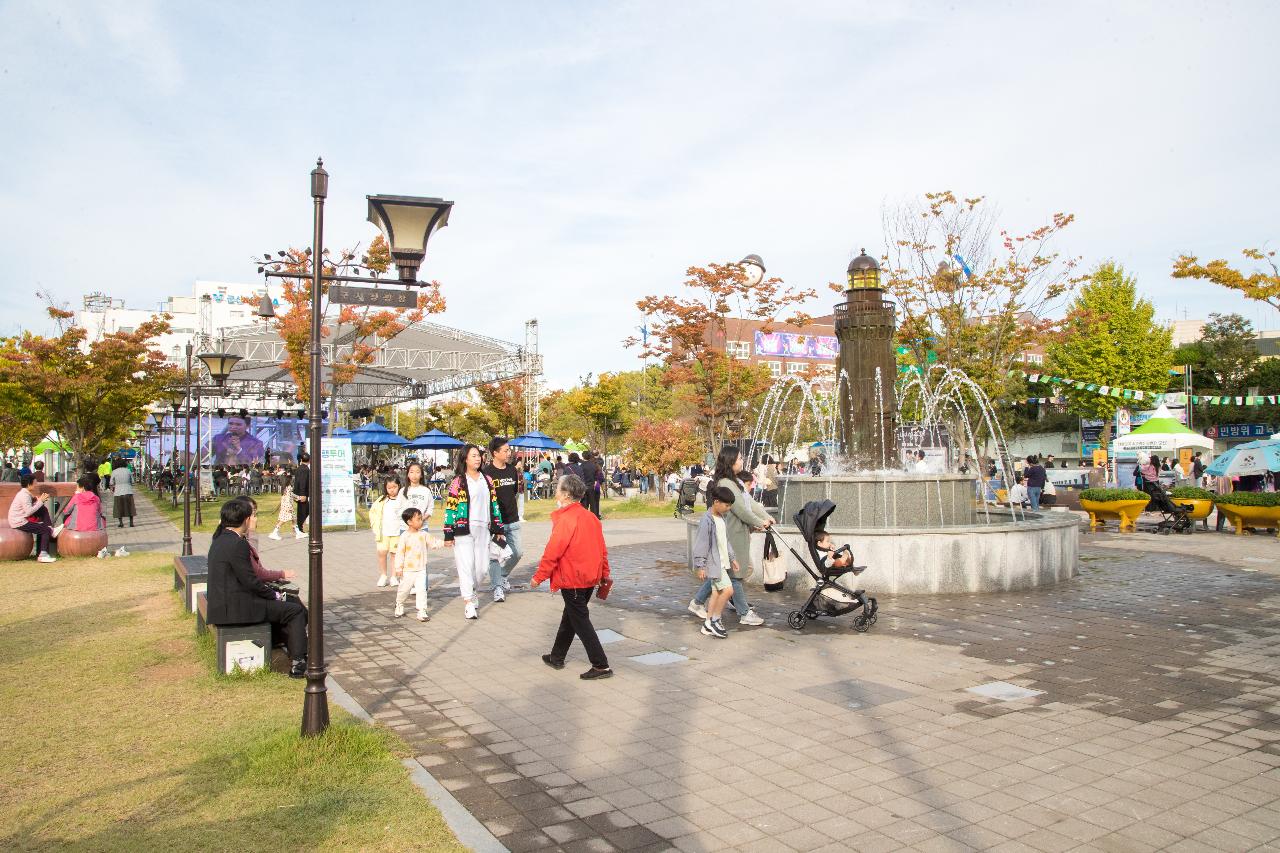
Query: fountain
[919, 532]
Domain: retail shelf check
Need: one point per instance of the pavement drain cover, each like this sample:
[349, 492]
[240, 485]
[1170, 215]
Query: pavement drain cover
[1004, 691]
[608, 635]
[658, 658]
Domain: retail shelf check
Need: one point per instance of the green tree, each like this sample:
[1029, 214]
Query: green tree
[1110, 337]
[1230, 351]
[91, 392]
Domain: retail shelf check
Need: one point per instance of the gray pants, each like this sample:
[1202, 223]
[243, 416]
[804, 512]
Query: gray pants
[498, 572]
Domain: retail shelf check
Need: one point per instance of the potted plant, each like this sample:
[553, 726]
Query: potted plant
[1250, 509]
[1124, 505]
[1200, 501]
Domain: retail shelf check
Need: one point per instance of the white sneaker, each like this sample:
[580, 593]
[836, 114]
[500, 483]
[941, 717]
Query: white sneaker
[699, 610]
[275, 534]
[470, 611]
[399, 611]
[499, 595]
[299, 535]
[506, 584]
[423, 616]
[752, 618]
[395, 581]
[121, 552]
[103, 554]
[382, 580]
[45, 558]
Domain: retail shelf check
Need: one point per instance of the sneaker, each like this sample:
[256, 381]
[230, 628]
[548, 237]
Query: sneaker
[423, 616]
[499, 595]
[45, 558]
[713, 628]
[699, 610]
[382, 580]
[395, 581]
[506, 584]
[121, 552]
[275, 534]
[103, 554]
[298, 668]
[399, 611]
[752, 618]
[299, 535]
[594, 673]
[470, 612]
[552, 662]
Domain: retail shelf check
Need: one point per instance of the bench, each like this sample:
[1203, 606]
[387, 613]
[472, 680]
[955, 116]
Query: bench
[249, 646]
[191, 577]
[202, 612]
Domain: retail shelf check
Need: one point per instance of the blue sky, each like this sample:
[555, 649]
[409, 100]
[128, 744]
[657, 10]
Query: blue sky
[595, 150]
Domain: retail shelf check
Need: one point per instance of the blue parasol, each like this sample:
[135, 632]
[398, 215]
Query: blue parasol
[435, 440]
[374, 434]
[536, 441]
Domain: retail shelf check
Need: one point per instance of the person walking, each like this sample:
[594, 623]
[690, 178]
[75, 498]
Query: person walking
[506, 486]
[1035, 476]
[471, 517]
[301, 491]
[575, 561]
[743, 516]
[715, 559]
[410, 564]
[122, 504]
[593, 478]
[287, 512]
[386, 522]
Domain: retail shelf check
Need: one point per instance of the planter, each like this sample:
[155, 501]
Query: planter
[1125, 512]
[1242, 516]
[1200, 508]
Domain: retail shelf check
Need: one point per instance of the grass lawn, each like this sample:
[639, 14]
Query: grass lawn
[118, 736]
[269, 504]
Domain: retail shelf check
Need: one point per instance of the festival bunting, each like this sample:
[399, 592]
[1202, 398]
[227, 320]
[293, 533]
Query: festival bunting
[1178, 398]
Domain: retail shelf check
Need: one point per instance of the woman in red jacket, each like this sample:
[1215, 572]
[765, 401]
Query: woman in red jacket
[576, 561]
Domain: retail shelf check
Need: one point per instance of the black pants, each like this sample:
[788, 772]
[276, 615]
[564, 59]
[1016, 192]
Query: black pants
[42, 529]
[291, 617]
[301, 511]
[577, 621]
[591, 501]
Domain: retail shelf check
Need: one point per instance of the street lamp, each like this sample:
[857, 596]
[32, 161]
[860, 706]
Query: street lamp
[186, 455]
[753, 268]
[407, 222]
[177, 396]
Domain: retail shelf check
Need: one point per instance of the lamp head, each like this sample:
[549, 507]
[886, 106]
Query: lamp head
[407, 223]
[219, 365]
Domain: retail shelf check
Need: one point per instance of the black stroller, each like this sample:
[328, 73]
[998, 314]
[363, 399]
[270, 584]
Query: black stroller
[829, 596]
[1173, 516]
[687, 498]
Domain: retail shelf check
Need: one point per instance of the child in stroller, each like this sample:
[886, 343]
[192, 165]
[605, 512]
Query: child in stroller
[829, 597]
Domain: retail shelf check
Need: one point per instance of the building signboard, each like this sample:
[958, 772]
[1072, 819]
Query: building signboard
[793, 345]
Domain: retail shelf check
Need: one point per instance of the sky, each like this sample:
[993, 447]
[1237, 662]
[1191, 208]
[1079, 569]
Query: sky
[595, 150]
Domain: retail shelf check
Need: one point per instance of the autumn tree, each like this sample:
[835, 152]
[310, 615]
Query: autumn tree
[1262, 284]
[1110, 337]
[503, 403]
[970, 294]
[661, 446]
[91, 392]
[688, 333]
[356, 332]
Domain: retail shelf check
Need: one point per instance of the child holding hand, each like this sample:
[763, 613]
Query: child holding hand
[410, 563]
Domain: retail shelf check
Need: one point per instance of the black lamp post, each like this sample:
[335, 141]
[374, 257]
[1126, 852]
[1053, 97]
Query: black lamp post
[177, 396]
[186, 455]
[158, 417]
[407, 223]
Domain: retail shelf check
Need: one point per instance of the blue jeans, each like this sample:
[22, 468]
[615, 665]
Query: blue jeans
[499, 571]
[1033, 494]
[739, 594]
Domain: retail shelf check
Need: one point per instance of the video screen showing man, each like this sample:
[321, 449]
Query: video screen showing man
[236, 445]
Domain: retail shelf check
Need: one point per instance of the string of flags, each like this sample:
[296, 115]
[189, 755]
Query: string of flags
[1176, 398]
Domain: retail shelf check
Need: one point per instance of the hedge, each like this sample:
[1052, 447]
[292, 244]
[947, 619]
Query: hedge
[1249, 499]
[1191, 493]
[1107, 495]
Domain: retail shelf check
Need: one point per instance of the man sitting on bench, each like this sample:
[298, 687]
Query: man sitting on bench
[237, 597]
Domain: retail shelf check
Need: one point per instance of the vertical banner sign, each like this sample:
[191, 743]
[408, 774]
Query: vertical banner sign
[338, 491]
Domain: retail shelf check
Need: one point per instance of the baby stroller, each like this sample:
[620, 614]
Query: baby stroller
[687, 498]
[1173, 516]
[830, 597]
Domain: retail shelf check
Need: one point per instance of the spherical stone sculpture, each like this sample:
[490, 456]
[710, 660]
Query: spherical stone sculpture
[15, 544]
[81, 543]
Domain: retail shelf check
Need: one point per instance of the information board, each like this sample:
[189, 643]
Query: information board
[337, 489]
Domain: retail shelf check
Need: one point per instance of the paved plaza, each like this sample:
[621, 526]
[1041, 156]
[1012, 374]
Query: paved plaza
[1134, 708]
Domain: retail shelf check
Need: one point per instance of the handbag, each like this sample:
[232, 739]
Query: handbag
[774, 569]
[602, 591]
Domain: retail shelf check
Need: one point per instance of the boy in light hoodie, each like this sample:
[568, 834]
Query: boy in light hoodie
[410, 562]
[713, 557]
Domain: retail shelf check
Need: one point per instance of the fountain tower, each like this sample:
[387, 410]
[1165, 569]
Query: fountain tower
[865, 324]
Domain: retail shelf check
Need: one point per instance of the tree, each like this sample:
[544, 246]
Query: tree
[688, 334]
[1230, 351]
[1110, 337]
[974, 299]
[1260, 285]
[361, 328]
[661, 446]
[504, 404]
[91, 393]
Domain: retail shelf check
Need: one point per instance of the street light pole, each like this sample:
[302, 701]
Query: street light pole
[186, 445]
[315, 708]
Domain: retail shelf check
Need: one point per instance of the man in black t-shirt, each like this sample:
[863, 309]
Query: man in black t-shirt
[593, 477]
[1035, 476]
[506, 486]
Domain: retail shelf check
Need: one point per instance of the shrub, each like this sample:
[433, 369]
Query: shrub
[1104, 495]
[1249, 499]
[1191, 493]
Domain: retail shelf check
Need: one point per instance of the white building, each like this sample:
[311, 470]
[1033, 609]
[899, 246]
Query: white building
[211, 307]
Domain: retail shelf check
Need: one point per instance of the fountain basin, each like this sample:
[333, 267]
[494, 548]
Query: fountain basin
[893, 499]
[1003, 555]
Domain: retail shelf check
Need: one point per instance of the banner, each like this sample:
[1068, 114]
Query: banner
[791, 345]
[337, 489]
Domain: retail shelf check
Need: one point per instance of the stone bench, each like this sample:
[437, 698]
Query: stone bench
[191, 577]
[15, 544]
[248, 646]
[202, 613]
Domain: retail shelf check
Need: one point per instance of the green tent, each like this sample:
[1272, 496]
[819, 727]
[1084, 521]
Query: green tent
[574, 446]
[49, 446]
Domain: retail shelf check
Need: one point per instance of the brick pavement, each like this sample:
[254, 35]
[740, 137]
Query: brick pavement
[1156, 725]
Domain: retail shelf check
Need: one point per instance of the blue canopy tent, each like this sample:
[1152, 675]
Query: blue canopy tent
[374, 434]
[535, 441]
[435, 440]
